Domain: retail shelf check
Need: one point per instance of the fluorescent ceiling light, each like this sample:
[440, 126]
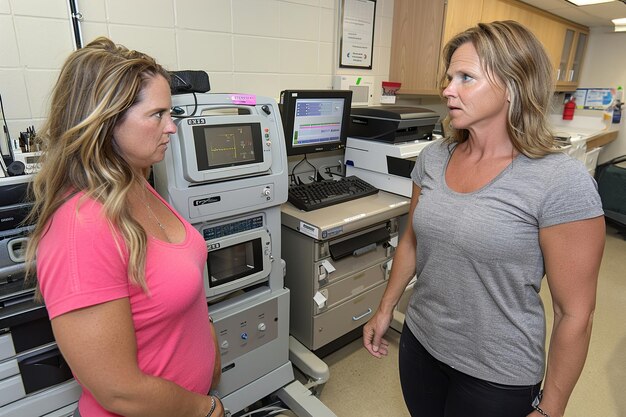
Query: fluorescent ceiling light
[620, 24]
[588, 2]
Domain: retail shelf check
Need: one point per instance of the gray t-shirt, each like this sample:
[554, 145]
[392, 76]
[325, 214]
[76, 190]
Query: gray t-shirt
[479, 265]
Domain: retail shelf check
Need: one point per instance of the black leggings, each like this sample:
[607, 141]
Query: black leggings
[434, 389]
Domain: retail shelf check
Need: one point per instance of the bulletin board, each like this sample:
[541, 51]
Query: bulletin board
[594, 98]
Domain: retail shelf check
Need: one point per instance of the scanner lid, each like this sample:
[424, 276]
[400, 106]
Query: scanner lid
[393, 112]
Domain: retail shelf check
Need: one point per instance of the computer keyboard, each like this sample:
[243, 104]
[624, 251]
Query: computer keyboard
[319, 194]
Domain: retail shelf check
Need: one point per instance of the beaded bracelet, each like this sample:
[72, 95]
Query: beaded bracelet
[536, 407]
[212, 406]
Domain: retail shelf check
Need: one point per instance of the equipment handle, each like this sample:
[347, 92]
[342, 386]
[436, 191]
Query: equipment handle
[357, 318]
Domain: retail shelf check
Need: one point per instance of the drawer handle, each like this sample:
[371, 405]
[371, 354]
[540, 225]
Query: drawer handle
[369, 311]
[364, 249]
[17, 249]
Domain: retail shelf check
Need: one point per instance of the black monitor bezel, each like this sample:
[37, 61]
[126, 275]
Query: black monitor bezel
[288, 99]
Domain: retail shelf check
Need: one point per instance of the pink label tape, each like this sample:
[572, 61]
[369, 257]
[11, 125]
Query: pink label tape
[243, 99]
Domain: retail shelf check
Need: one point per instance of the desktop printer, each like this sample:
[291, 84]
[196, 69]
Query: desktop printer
[383, 142]
[392, 124]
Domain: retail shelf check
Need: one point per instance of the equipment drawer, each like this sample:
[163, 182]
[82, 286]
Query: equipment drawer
[11, 389]
[8, 369]
[347, 266]
[345, 317]
[46, 401]
[353, 285]
[6, 346]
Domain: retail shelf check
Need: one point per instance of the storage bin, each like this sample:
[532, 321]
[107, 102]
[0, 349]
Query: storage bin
[611, 178]
[591, 160]
[576, 149]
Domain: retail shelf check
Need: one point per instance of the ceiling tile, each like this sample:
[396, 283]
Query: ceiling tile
[593, 16]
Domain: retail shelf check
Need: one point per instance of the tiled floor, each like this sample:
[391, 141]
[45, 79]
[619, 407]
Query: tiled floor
[361, 385]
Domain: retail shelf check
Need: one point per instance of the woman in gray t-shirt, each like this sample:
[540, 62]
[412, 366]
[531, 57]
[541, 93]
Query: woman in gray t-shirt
[495, 207]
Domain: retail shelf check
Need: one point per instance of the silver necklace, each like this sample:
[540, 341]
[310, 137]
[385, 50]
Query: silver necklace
[145, 202]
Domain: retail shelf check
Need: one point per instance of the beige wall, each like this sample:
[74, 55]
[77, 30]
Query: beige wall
[605, 66]
[250, 46]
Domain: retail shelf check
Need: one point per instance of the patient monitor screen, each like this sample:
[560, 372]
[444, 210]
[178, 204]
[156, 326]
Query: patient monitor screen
[227, 145]
[317, 121]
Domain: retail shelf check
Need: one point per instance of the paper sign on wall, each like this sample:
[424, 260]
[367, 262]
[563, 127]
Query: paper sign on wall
[594, 98]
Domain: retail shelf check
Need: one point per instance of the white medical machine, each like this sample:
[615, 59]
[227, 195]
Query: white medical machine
[383, 142]
[225, 171]
[35, 380]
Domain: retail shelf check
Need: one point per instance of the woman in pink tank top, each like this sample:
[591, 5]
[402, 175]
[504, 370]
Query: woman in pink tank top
[119, 270]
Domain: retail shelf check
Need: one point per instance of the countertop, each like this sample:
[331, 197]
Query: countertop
[602, 138]
[345, 217]
[588, 128]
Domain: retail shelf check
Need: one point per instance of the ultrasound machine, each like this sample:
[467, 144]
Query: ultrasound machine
[226, 172]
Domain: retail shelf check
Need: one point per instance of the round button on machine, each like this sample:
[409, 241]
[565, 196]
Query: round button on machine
[261, 327]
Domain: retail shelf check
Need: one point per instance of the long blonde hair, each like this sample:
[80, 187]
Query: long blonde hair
[96, 86]
[510, 52]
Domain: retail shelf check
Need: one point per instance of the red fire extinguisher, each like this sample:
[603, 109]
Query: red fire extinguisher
[568, 109]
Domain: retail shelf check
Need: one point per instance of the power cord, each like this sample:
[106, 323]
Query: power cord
[295, 180]
[178, 112]
[339, 167]
[268, 410]
[6, 130]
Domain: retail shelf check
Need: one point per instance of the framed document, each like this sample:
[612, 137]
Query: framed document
[357, 33]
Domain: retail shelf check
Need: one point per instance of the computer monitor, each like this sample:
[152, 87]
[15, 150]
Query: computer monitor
[315, 120]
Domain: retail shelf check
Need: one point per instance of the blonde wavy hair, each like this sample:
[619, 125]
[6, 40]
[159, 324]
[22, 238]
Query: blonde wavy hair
[510, 52]
[96, 86]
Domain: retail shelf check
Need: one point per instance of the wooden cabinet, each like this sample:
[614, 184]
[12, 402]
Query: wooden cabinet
[460, 15]
[545, 26]
[570, 61]
[422, 27]
[416, 44]
[551, 34]
[564, 41]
